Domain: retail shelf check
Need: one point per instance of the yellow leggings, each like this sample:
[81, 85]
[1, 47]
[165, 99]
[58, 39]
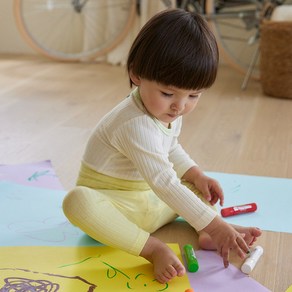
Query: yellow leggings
[116, 212]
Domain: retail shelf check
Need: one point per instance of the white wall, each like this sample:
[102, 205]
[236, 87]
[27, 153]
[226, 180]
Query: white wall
[10, 39]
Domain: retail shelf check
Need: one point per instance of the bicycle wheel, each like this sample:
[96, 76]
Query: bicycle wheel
[73, 30]
[236, 26]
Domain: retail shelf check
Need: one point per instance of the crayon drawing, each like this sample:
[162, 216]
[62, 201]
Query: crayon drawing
[88, 269]
[27, 281]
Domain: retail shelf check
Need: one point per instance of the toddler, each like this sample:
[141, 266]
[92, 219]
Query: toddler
[135, 177]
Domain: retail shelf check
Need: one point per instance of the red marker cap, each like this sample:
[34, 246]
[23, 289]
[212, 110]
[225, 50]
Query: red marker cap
[236, 210]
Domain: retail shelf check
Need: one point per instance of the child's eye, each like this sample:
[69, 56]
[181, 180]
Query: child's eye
[166, 94]
[194, 96]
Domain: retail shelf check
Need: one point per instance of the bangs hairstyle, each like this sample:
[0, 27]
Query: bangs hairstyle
[177, 48]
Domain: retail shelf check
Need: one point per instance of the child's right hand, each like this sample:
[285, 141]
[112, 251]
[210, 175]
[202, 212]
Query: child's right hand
[226, 238]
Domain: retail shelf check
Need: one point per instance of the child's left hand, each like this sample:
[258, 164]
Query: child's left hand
[208, 186]
[210, 189]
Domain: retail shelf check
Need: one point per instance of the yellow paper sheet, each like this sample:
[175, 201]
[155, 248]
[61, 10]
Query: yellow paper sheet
[80, 269]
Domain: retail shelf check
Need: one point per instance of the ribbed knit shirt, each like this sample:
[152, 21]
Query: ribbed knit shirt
[128, 143]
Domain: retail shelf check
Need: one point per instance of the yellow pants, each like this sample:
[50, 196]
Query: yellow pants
[116, 212]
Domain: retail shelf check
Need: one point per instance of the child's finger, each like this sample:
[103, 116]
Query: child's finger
[225, 256]
[219, 193]
[242, 247]
[214, 199]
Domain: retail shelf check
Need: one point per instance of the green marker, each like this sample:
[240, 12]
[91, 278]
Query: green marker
[192, 262]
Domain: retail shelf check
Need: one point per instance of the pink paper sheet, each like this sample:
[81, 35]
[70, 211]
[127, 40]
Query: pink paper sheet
[39, 174]
[212, 276]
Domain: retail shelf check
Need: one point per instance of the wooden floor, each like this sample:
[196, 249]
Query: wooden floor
[47, 111]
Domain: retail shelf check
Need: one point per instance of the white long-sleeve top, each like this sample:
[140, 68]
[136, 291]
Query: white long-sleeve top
[128, 143]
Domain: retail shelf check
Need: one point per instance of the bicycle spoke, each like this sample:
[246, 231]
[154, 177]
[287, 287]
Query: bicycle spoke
[74, 29]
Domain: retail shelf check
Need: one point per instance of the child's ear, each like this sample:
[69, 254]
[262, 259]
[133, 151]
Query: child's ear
[135, 79]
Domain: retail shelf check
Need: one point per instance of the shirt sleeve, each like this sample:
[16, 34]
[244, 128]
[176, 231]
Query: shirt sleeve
[182, 162]
[143, 145]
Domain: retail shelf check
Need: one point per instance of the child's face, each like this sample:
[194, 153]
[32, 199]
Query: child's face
[167, 103]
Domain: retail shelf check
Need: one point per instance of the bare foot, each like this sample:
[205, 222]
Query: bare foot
[205, 241]
[250, 235]
[165, 262]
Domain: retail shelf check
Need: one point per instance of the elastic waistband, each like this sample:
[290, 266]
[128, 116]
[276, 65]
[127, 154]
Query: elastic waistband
[95, 180]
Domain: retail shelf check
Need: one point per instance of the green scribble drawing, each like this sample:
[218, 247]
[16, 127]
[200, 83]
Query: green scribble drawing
[166, 285]
[116, 271]
[37, 174]
[80, 262]
[112, 272]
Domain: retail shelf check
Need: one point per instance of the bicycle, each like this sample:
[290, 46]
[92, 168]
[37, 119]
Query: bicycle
[74, 30]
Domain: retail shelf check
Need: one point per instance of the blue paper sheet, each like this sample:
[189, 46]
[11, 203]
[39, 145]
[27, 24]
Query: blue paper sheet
[34, 216]
[273, 197]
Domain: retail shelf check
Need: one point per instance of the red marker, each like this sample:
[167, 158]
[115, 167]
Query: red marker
[236, 210]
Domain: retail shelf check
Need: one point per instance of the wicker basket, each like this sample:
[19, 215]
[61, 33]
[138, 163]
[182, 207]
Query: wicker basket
[276, 58]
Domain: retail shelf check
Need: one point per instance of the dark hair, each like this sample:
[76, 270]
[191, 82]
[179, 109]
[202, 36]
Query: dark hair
[177, 48]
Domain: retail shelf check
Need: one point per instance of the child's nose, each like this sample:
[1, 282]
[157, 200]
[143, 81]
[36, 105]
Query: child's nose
[178, 106]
